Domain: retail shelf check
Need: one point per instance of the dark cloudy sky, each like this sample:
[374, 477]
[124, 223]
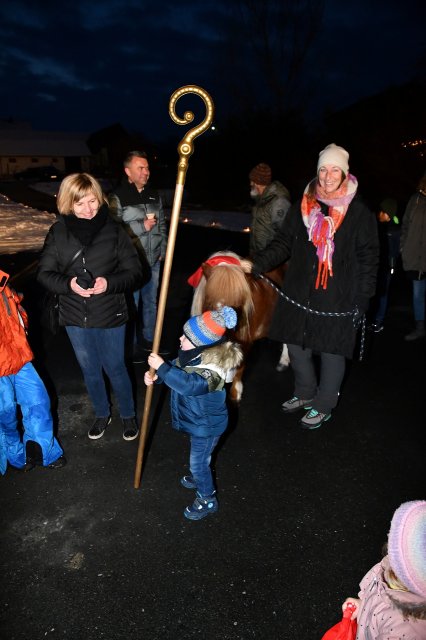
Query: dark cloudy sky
[85, 64]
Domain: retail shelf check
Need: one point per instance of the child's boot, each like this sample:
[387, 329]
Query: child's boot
[201, 507]
[188, 482]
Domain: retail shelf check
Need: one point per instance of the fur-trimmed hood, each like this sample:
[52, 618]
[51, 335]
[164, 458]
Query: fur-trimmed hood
[386, 612]
[223, 358]
[410, 604]
[198, 395]
[226, 355]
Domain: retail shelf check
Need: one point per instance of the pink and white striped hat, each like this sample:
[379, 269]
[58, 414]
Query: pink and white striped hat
[407, 545]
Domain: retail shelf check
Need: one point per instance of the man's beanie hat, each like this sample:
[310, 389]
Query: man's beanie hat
[210, 326]
[261, 174]
[407, 545]
[337, 156]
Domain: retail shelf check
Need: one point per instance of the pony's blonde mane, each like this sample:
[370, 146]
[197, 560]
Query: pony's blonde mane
[227, 285]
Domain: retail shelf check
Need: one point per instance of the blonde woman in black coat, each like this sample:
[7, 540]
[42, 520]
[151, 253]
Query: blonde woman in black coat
[90, 262]
[331, 237]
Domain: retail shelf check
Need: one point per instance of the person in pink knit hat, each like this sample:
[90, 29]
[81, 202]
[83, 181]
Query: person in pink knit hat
[392, 598]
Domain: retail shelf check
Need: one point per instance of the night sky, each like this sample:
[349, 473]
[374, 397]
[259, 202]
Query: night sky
[83, 65]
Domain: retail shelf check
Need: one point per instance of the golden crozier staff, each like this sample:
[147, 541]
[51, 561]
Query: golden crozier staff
[185, 150]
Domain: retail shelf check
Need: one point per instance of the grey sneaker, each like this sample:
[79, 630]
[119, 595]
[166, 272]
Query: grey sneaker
[314, 419]
[294, 404]
[97, 429]
[130, 428]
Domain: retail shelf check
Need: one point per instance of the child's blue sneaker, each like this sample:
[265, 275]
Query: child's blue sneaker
[201, 507]
[188, 482]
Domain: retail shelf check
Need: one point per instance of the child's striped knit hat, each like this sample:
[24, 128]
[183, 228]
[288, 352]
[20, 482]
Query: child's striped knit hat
[407, 545]
[210, 326]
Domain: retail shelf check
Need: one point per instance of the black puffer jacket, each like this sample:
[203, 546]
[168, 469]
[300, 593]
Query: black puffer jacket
[355, 263]
[110, 255]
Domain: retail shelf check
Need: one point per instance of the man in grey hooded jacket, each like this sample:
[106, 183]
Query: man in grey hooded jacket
[140, 208]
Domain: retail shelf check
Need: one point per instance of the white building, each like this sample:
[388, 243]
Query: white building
[21, 148]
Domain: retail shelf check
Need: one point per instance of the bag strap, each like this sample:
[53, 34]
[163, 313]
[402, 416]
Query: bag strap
[73, 259]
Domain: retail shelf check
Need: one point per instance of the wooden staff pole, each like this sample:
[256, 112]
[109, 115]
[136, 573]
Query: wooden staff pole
[30, 267]
[185, 150]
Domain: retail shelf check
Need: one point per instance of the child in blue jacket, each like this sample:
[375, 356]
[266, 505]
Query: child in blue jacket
[206, 362]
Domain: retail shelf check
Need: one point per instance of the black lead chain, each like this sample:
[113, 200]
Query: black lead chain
[357, 319]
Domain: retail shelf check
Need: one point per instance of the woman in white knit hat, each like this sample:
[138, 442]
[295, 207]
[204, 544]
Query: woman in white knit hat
[331, 237]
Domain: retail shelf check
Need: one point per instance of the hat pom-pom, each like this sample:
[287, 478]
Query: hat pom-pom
[230, 317]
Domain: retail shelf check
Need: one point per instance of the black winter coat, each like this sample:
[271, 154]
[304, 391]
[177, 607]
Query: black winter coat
[110, 255]
[353, 282]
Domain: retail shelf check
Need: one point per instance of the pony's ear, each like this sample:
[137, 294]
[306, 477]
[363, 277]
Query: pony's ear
[207, 269]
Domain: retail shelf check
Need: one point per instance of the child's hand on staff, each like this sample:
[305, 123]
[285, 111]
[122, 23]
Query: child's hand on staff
[148, 379]
[353, 603]
[155, 361]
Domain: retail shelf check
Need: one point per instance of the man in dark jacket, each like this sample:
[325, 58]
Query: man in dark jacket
[389, 239]
[413, 254]
[272, 201]
[140, 208]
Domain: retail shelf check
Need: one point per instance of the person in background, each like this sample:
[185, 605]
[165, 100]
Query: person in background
[413, 253]
[389, 237]
[331, 237]
[392, 598]
[272, 201]
[21, 385]
[197, 378]
[101, 266]
[139, 207]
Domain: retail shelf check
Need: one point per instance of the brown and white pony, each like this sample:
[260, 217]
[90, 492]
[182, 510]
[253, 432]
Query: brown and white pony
[222, 281]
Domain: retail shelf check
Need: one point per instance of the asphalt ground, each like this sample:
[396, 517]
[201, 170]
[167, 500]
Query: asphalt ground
[302, 517]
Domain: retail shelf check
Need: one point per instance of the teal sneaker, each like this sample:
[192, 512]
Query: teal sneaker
[314, 419]
[201, 507]
[295, 403]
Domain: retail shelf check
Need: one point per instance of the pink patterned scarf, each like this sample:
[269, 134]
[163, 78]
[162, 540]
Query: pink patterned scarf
[321, 229]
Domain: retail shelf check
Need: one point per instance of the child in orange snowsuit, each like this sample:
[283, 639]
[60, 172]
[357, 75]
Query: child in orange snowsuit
[21, 384]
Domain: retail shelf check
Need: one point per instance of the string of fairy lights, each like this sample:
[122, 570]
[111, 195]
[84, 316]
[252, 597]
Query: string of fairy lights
[418, 145]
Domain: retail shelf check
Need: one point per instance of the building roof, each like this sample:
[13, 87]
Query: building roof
[26, 142]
